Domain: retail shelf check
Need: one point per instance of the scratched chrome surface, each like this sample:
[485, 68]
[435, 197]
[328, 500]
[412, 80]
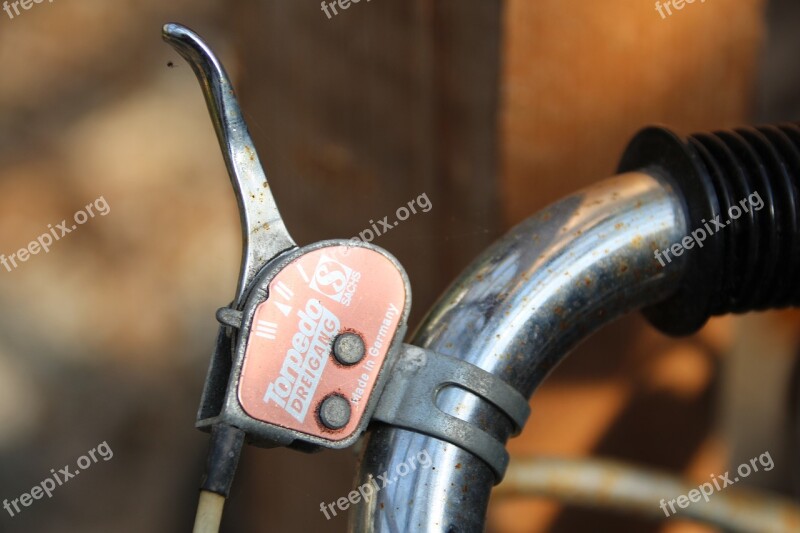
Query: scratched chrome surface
[516, 312]
[264, 234]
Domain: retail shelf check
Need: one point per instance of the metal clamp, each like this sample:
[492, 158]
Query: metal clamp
[409, 401]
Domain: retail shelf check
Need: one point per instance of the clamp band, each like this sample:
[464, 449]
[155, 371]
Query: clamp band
[409, 401]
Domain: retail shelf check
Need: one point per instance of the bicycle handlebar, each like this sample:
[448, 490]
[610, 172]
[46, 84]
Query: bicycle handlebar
[554, 279]
[516, 312]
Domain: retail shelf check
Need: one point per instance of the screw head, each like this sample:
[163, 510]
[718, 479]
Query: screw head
[349, 348]
[334, 412]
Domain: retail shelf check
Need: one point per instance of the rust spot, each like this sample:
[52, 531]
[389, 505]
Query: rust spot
[587, 282]
[381, 505]
[623, 268]
[458, 466]
[619, 226]
[559, 310]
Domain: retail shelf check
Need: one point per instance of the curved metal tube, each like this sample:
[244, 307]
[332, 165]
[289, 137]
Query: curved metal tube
[612, 485]
[516, 312]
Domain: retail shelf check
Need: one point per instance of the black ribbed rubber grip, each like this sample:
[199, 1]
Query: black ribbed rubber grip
[753, 262]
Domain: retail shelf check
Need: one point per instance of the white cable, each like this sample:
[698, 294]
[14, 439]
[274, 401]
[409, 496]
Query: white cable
[209, 512]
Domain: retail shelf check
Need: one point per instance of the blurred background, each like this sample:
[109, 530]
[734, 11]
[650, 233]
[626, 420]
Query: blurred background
[492, 108]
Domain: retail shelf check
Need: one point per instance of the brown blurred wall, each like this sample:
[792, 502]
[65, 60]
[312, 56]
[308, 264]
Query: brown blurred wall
[580, 78]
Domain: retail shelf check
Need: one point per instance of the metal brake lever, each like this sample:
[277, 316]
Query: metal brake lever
[301, 355]
[264, 234]
[310, 350]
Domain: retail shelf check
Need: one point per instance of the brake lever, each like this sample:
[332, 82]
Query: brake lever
[264, 234]
[308, 345]
[293, 304]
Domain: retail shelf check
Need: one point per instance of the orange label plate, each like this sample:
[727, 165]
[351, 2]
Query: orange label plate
[288, 366]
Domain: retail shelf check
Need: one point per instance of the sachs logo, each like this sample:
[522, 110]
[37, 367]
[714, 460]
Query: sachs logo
[335, 280]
